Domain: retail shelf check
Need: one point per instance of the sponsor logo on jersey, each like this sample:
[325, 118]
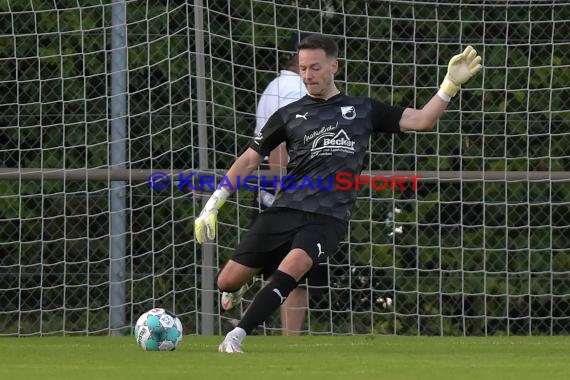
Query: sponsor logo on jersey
[317, 133]
[329, 143]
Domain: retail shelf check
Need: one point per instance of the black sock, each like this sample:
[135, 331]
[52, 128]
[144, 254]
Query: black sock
[267, 300]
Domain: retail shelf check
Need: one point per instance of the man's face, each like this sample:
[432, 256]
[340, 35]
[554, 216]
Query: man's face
[317, 71]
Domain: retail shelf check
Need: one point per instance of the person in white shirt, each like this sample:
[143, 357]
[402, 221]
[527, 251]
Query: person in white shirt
[286, 88]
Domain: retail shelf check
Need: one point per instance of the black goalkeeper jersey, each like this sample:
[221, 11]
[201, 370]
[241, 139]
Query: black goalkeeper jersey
[324, 138]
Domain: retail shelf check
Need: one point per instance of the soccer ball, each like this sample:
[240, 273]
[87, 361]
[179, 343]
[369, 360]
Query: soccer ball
[158, 330]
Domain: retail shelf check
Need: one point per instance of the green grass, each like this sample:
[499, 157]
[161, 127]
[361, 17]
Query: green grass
[305, 357]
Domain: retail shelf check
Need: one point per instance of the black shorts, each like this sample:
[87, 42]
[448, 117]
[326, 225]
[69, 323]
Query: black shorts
[278, 230]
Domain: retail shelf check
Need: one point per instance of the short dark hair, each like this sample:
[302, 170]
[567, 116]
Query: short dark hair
[319, 41]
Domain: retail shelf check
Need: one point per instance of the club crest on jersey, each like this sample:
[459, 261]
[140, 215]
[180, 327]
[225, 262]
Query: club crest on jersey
[348, 112]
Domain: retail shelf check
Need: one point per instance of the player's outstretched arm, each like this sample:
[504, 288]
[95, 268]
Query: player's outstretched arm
[205, 223]
[459, 70]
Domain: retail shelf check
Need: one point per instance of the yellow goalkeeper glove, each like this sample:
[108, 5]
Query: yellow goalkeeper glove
[461, 67]
[205, 224]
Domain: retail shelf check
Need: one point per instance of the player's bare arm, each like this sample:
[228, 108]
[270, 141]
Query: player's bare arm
[243, 166]
[423, 119]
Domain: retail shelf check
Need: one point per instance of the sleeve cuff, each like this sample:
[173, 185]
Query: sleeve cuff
[443, 96]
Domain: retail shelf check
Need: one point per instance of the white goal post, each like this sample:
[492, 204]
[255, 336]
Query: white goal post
[97, 95]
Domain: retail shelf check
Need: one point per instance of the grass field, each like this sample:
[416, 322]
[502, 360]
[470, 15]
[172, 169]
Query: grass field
[306, 357]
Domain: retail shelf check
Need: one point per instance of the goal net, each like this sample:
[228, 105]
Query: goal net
[97, 95]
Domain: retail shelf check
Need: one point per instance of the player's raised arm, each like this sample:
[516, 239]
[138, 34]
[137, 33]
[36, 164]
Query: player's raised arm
[205, 224]
[459, 70]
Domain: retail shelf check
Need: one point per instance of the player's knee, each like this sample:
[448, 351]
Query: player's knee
[226, 283]
[298, 263]
[307, 263]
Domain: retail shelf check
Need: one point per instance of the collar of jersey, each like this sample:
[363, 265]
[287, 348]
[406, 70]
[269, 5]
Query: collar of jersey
[289, 73]
[320, 100]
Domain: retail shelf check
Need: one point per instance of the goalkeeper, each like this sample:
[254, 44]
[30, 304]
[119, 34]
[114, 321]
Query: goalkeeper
[284, 89]
[306, 224]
